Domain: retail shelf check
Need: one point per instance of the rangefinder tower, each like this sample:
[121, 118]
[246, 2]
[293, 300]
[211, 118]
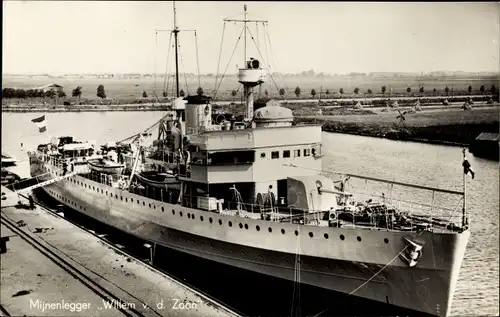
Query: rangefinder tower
[252, 75]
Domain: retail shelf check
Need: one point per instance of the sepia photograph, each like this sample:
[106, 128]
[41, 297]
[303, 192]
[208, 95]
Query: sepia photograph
[250, 158]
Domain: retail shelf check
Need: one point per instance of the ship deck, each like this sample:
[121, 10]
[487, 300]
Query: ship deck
[50, 261]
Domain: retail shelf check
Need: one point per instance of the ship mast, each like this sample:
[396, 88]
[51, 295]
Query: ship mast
[252, 74]
[245, 35]
[176, 31]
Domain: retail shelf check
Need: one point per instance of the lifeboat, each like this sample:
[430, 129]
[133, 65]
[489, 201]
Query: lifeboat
[105, 166]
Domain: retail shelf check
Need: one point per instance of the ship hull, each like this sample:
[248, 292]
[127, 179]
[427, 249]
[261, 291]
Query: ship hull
[367, 267]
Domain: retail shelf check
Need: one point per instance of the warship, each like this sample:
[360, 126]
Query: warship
[251, 193]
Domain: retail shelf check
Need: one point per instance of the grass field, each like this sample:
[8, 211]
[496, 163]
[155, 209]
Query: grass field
[419, 119]
[455, 126]
[133, 88]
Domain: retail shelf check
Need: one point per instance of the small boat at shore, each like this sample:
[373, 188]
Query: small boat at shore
[8, 160]
[105, 166]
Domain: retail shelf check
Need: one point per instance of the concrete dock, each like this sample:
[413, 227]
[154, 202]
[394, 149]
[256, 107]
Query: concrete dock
[54, 268]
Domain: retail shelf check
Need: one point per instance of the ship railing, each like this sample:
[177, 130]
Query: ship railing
[421, 206]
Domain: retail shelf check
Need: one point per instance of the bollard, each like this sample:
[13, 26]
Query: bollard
[60, 210]
[151, 251]
[3, 244]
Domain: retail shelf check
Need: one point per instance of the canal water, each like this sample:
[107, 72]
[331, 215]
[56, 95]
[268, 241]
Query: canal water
[477, 291]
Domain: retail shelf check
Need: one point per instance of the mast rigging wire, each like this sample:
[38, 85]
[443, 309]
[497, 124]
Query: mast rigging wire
[266, 33]
[150, 128]
[197, 59]
[182, 63]
[166, 80]
[154, 64]
[258, 50]
[234, 50]
[220, 55]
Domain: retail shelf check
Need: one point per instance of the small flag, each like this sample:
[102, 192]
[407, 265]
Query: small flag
[40, 123]
[467, 167]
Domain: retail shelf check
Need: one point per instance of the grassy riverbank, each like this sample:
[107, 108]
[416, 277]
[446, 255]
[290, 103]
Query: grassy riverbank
[444, 127]
[300, 107]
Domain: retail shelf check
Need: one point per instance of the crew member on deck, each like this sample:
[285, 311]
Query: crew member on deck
[32, 203]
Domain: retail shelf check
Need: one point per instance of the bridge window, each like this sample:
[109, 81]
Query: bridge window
[232, 157]
[286, 153]
[307, 152]
[275, 154]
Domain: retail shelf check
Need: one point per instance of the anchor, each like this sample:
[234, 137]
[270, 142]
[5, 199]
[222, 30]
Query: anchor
[413, 251]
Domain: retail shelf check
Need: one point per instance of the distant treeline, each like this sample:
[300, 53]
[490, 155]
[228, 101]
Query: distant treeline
[10, 93]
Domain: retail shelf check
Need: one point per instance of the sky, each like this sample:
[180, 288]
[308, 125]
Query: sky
[58, 37]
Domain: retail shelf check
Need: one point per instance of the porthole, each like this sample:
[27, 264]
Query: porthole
[241, 225]
[180, 213]
[270, 229]
[131, 200]
[116, 196]
[121, 198]
[189, 215]
[201, 218]
[144, 203]
[230, 223]
[246, 226]
[386, 240]
[173, 212]
[162, 209]
[358, 238]
[220, 222]
[149, 205]
[257, 227]
[126, 200]
[326, 235]
[282, 231]
[342, 237]
[138, 202]
[311, 234]
[154, 206]
[296, 232]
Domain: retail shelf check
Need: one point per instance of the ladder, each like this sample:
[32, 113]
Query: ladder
[42, 184]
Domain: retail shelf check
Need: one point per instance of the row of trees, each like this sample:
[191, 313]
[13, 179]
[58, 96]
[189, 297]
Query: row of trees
[38, 93]
[383, 90]
[31, 93]
[101, 93]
